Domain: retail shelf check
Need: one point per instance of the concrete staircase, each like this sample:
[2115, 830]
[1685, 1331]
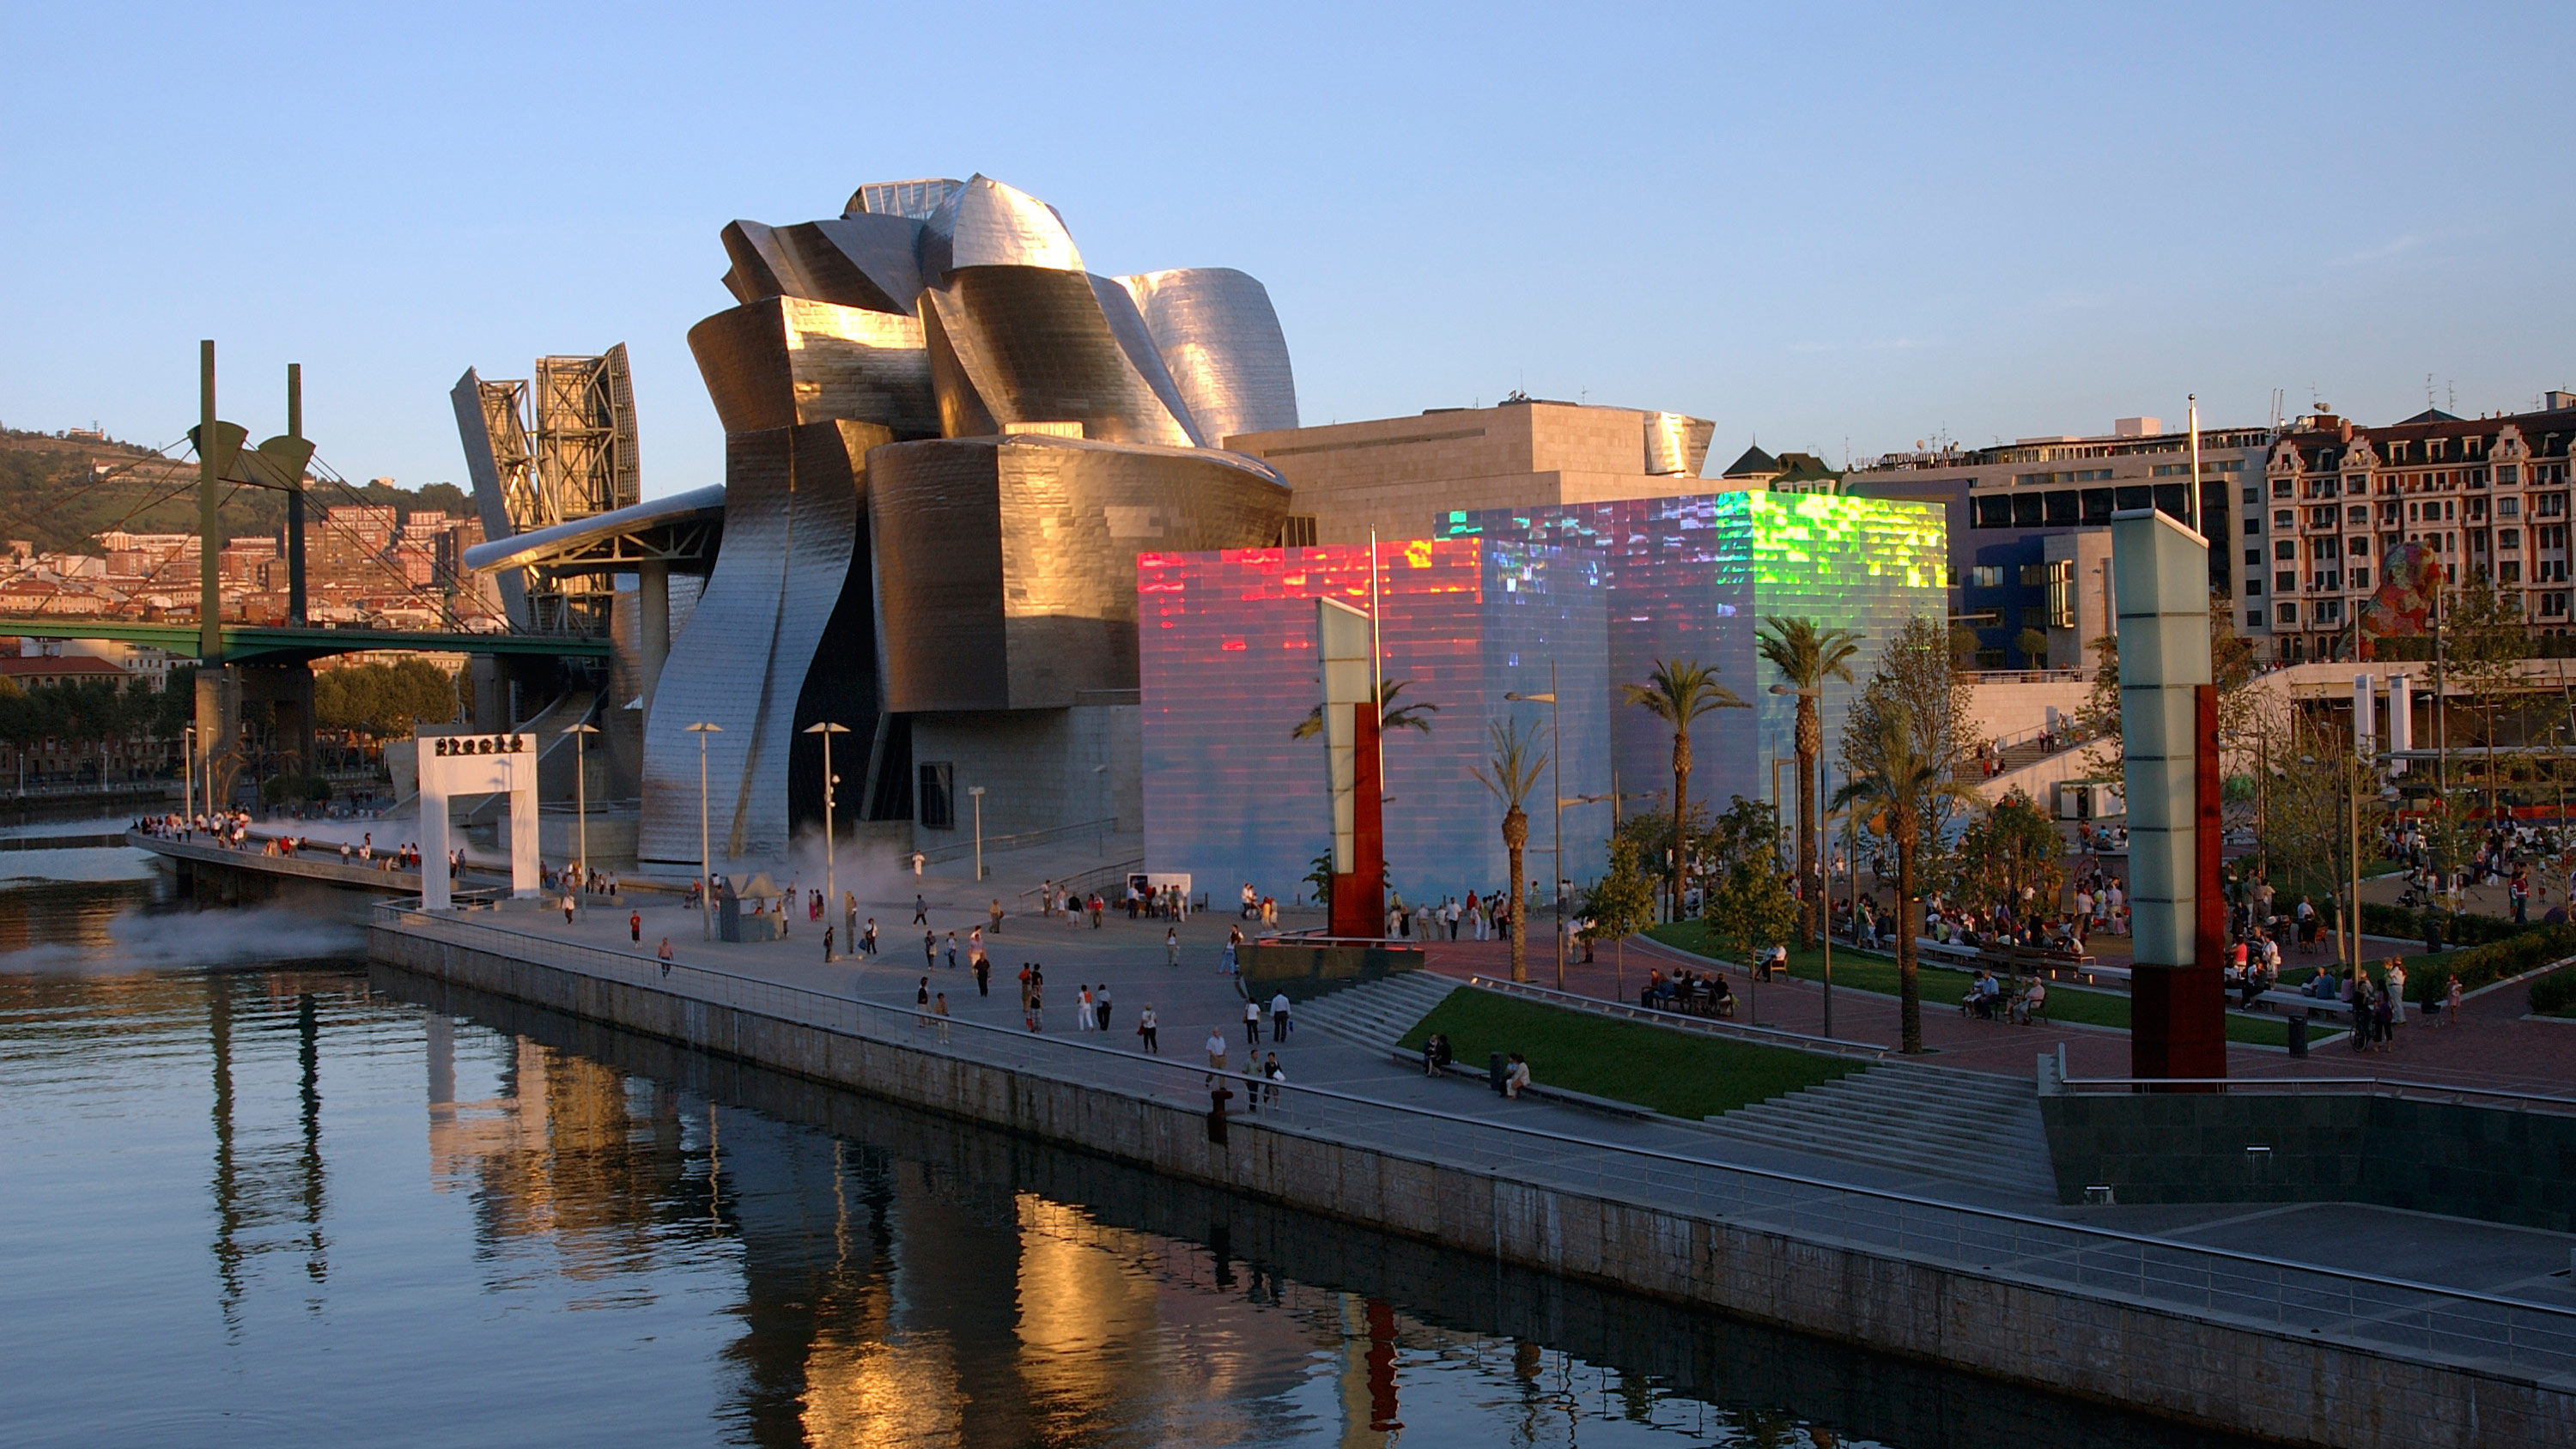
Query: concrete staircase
[1966, 1127]
[1378, 1014]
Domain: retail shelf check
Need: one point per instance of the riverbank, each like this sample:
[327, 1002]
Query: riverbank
[2229, 1340]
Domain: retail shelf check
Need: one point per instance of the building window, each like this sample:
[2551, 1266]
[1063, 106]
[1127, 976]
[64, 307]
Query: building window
[2253, 495]
[2361, 578]
[2509, 572]
[2254, 557]
[2285, 549]
[2253, 523]
[2327, 611]
[938, 802]
[2286, 612]
[2285, 582]
[2549, 505]
[1990, 659]
[2553, 605]
[2283, 520]
[2034, 616]
[2508, 474]
[1985, 576]
[2254, 588]
[2358, 545]
[1994, 510]
[1297, 530]
[2253, 618]
[2508, 508]
[2508, 538]
[2281, 488]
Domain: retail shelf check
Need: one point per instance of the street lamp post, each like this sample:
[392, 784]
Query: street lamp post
[831, 883]
[976, 793]
[581, 809]
[706, 862]
[187, 766]
[1556, 781]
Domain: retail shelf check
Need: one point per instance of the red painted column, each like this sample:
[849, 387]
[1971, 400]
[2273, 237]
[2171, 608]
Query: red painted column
[2178, 1014]
[1359, 898]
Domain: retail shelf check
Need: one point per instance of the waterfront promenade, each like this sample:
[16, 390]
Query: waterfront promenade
[2149, 1307]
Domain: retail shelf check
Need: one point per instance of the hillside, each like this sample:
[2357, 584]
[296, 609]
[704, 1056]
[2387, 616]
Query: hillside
[49, 496]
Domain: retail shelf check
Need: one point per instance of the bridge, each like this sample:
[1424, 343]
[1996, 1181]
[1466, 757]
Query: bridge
[291, 644]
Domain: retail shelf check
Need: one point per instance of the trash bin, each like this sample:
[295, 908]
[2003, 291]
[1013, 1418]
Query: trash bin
[1496, 1073]
[2298, 1033]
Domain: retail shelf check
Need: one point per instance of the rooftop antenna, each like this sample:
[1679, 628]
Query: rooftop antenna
[2451, 392]
[2428, 389]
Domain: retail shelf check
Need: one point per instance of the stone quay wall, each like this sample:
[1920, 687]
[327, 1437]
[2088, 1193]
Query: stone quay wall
[2206, 1369]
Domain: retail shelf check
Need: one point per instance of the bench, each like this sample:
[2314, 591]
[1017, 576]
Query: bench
[2289, 1001]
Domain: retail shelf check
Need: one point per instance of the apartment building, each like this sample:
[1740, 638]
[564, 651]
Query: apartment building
[2489, 496]
[2014, 510]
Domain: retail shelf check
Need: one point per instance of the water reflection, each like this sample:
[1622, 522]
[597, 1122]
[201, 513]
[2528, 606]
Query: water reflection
[433, 1215]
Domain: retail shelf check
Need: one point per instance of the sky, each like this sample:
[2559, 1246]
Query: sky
[1840, 228]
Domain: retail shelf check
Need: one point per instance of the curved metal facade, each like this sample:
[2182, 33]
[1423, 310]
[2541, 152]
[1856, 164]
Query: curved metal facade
[1006, 567]
[946, 443]
[794, 499]
[1219, 338]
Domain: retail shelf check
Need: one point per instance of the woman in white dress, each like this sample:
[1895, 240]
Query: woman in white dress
[1084, 1018]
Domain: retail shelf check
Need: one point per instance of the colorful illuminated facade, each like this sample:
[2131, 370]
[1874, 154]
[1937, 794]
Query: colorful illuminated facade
[1689, 578]
[1228, 669]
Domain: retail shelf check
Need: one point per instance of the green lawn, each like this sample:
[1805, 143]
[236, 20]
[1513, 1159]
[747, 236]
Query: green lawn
[1942, 986]
[1680, 1073]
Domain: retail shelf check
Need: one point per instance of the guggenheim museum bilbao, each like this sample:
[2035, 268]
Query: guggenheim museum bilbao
[1049, 543]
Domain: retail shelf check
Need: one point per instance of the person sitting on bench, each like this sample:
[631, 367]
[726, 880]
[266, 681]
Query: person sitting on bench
[2032, 1002]
[1723, 1001]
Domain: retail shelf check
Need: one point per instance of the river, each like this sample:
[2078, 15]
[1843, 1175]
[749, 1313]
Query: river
[258, 1193]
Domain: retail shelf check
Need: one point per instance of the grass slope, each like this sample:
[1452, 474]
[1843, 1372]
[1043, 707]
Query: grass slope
[1942, 986]
[1679, 1073]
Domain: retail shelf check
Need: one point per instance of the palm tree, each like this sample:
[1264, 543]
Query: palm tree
[1513, 774]
[1678, 693]
[1901, 784]
[1391, 715]
[1806, 657]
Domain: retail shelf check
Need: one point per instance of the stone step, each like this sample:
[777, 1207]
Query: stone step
[1957, 1126]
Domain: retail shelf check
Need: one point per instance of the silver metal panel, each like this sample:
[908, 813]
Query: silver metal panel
[1006, 567]
[987, 224]
[1036, 348]
[1118, 309]
[783, 361]
[884, 249]
[805, 261]
[680, 510]
[1677, 443]
[793, 500]
[1220, 339]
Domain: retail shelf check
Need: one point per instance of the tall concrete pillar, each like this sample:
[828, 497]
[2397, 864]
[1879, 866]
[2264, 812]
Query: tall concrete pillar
[653, 624]
[2169, 737]
[218, 733]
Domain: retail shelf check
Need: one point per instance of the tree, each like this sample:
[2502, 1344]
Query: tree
[1806, 657]
[1963, 647]
[1391, 715]
[2013, 853]
[2305, 836]
[1750, 909]
[1513, 773]
[2485, 647]
[1908, 736]
[1679, 693]
[1622, 902]
[2034, 648]
[1319, 876]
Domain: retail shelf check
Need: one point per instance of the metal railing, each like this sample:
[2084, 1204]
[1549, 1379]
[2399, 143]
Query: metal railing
[994, 844]
[2451, 1326]
[2452, 1093]
[1673, 1021]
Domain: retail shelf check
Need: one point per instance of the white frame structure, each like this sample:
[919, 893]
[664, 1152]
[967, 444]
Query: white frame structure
[452, 765]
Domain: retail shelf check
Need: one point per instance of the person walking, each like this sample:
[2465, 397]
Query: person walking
[995, 913]
[1233, 945]
[918, 861]
[939, 1008]
[1171, 945]
[1024, 986]
[1037, 1006]
[635, 927]
[1252, 1023]
[849, 917]
[1101, 1005]
[1275, 1073]
[827, 943]
[952, 951]
[920, 910]
[921, 1003]
[567, 903]
[1216, 1049]
[1099, 908]
[868, 942]
[1083, 1017]
[983, 972]
[1279, 1017]
[664, 955]
[2397, 991]
[929, 948]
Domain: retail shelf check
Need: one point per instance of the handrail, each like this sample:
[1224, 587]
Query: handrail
[1796, 1040]
[648, 964]
[2293, 1086]
[1324, 938]
[993, 844]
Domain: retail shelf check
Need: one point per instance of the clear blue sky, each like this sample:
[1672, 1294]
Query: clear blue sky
[1816, 224]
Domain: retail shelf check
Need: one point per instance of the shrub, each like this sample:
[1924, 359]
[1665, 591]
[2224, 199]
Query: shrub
[2460, 929]
[2551, 995]
[2492, 962]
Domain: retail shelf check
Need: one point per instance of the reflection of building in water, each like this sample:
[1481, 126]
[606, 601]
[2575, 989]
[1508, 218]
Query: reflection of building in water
[267, 1188]
[564, 1150]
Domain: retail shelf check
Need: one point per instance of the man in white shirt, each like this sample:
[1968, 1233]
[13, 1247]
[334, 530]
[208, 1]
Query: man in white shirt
[1279, 1017]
